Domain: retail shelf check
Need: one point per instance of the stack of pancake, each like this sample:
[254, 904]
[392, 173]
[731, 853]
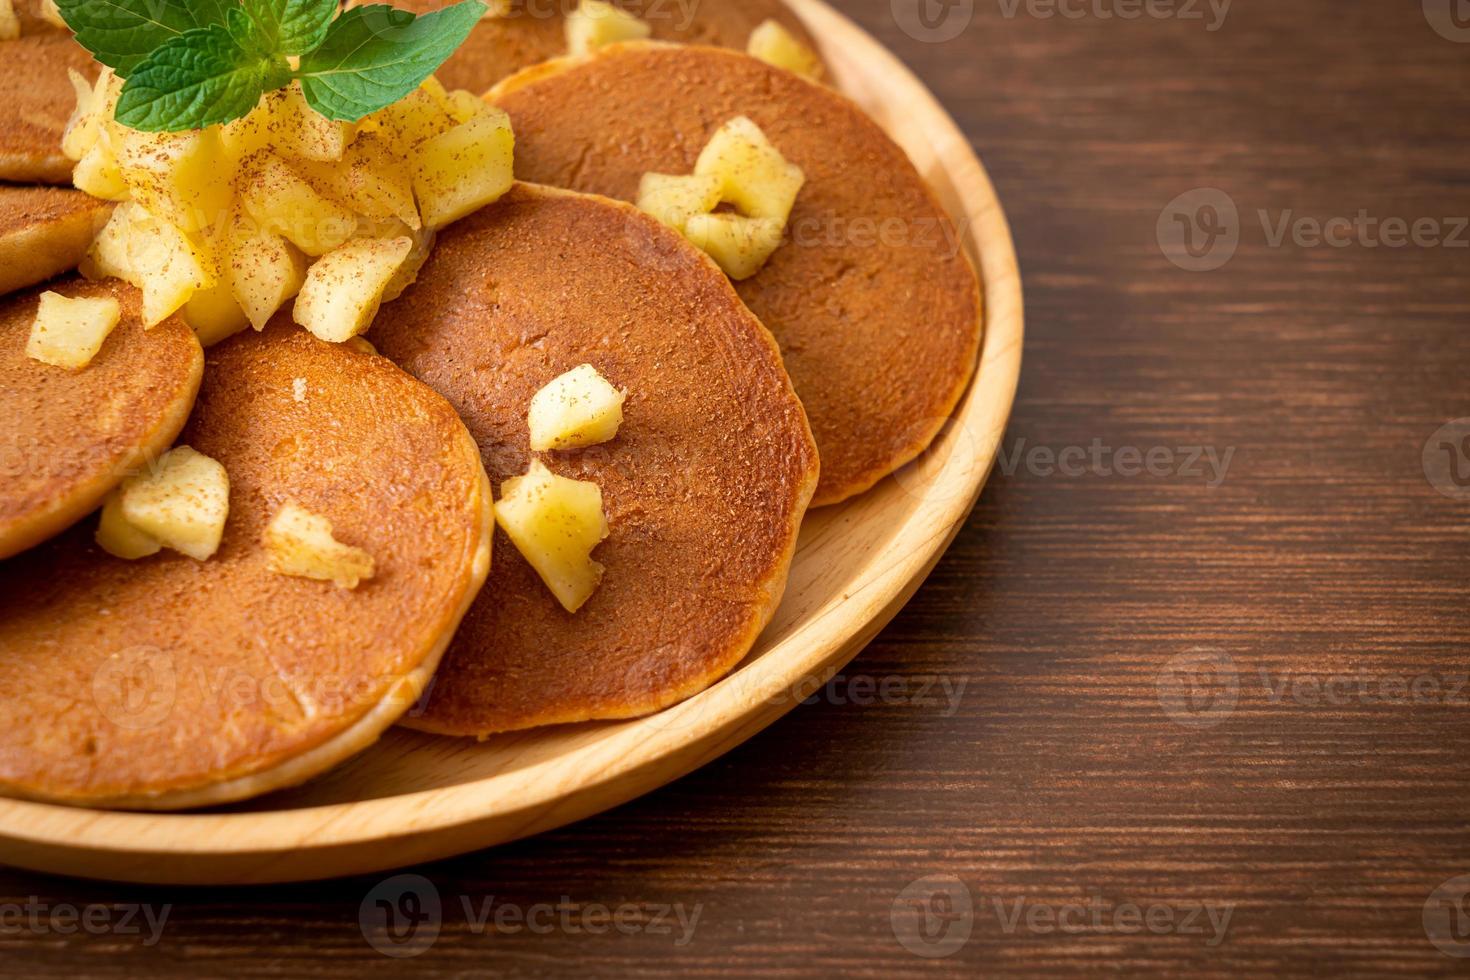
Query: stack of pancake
[166, 683]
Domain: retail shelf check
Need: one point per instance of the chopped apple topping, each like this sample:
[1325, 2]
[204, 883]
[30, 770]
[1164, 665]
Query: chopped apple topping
[775, 45]
[596, 23]
[302, 544]
[119, 538]
[152, 254]
[182, 502]
[578, 409]
[264, 270]
[739, 167]
[68, 332]
[9, 22]
[464, 169]
[555, 522]
[344, 288]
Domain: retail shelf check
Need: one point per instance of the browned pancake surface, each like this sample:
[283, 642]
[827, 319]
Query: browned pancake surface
[127, 680]
[45, 231]
[533, 31]
[36, 100]
[874, 304]
[71, 436]
[704, 486]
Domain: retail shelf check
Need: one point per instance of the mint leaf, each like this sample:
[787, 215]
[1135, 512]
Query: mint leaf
[122, 33]
[373, 56]
[292, 26]
[202, 77]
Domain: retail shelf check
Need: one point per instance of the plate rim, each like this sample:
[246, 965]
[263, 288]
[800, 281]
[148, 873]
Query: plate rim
[329, 840]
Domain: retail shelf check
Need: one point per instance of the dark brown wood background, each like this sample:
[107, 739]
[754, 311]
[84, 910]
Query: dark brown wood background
[1324, 561]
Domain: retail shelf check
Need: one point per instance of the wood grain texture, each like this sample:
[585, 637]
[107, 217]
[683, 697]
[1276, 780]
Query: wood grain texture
[1058, 776]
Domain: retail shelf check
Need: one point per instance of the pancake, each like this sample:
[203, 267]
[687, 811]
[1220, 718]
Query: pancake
[45, 231]
[704, 486]
[167, 683]
[37, 98]
[71, 436]
[874, 303]
[532, 31]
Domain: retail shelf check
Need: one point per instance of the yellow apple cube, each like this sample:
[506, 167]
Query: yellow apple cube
[775, 45]
[410, 121]
[408, 271]
[69, 332]
[183, 177]
[182, 501]
[345, 287]
[85, 122]
[97, 172]
[555, 523]
[464, 169]
[755, 176]
[263, 270]
[309, 134]
[674, 198]
[595, 23]
[153, 255]
[580, 408]
[301, 544]
[280, 200]
[739, 245]
[371, 179]
[214, 314]
[119, 538]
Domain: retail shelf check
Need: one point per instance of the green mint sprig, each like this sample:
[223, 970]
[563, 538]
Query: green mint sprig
[197, 63]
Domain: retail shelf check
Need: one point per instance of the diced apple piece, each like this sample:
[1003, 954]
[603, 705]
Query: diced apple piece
[464, 105]
[345, 287]
[85, 122]
[69, 332]
[119, 538]
[465, 169]
[674, 198]
[408, 271]
[739, 245]
[263, 269]
[182, 501]
[580, 408]
[97, 171]
[410, 121]
[596, 23]
[371, 179]
[309, 134]
[9, 22]
[182, 177]
[555, 523]
[756, 178]
[151, 254]
[280, 200]
[775, 45]
[215, 314]
[301, 544]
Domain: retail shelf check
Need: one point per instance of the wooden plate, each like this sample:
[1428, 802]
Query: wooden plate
[415, 798]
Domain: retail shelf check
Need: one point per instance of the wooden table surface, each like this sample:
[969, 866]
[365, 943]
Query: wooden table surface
[1189, 693]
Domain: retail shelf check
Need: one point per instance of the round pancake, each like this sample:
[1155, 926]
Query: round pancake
[532, 31]
[71, 436]
[704, 486]
[872, 299]
[167, 683]
[45, 231]
[37, 98]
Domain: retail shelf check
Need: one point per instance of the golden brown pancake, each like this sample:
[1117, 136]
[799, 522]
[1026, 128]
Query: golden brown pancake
[45, 231]
[704, 486]
[166, 682]
[71, 436]
[873, 301]
[37, 98]
[532, 31]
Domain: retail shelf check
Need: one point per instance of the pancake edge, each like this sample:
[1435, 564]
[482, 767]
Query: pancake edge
[358, 736]
[41, 252]
[773, 585]
[876, 474]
